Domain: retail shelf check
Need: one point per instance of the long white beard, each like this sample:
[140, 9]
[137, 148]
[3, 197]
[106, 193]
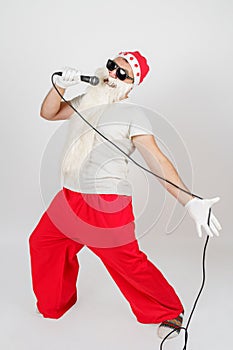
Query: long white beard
[92, 105]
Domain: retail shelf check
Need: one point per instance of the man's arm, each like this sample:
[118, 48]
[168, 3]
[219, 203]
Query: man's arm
[53, 108]
[161, 165]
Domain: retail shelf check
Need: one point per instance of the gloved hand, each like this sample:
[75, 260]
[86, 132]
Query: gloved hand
[199, 210]
[69, 77]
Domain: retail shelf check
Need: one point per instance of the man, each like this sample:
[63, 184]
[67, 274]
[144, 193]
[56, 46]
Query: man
[95, 179]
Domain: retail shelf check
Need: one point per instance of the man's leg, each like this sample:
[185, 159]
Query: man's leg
[54, 268]
[151, 297]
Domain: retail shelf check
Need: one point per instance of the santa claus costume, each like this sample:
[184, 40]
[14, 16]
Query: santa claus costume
[94, 209]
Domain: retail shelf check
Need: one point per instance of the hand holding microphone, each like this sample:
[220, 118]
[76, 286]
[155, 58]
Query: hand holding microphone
[68, 77]
[71, 76]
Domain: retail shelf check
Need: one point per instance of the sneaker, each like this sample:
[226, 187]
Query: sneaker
[167, 326]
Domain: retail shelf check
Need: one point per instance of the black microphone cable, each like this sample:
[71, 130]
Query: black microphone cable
[194, 195]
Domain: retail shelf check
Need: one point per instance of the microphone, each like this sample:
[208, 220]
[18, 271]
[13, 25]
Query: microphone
[93, 80]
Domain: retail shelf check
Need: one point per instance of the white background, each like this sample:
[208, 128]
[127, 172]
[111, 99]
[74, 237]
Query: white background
[189, 48]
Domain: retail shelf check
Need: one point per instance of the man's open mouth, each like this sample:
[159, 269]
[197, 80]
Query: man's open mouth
[109, 83]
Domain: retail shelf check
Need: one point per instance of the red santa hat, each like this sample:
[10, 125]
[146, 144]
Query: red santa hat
[138, 64]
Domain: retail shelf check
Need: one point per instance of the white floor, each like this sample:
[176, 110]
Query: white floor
[102, 319]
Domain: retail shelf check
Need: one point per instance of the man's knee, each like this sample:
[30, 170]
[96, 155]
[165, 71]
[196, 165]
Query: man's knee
[36, 237]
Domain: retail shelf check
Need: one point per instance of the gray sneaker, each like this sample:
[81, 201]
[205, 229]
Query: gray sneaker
[168, 326]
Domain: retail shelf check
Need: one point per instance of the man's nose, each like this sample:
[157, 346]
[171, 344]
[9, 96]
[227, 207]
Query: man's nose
[112, 73]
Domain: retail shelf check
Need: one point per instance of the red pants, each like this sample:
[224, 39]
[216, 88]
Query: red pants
[57, 239]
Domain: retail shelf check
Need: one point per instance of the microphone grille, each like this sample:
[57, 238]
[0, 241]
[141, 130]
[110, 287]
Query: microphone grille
[94, 80]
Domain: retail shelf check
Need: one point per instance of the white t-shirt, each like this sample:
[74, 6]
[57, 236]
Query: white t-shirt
[105, 169]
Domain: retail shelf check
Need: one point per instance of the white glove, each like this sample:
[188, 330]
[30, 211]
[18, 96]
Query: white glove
[199, 210]
[69, 77]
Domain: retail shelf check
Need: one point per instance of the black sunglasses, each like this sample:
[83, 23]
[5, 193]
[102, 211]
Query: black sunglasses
[121, 73]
